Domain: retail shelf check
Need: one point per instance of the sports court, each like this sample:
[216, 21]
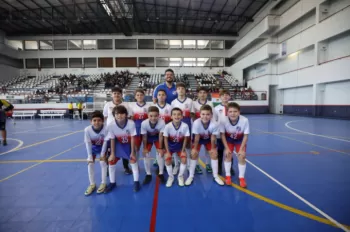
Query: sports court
[298, 180]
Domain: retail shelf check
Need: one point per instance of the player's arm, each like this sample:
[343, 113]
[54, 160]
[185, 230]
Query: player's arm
[155, 93]
[132, 143]
[185, 143]
[245, 140]
[166, 140]
[112, 156]
[195, 144]
[88, 145]
[144, 138]
[105, 112]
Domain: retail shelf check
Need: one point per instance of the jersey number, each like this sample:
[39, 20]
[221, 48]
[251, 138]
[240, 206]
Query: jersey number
[125, 139]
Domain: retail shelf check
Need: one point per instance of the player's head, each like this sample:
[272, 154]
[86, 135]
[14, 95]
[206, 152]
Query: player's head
[169, 75]
[202, 93]
[225, 96]
[161, 96]
[206, 113]
[181, 89]
[117, 94]
[120, 113]
[176, 114]
[153, 114]
[139, 95]
[97, 119]
[233, 110]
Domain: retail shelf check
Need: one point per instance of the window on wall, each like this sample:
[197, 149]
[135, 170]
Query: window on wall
[46, 63]
[229, 62]
[75, 62]
[61, 62]
[217, 44]
[89, 44]
[203, 44]
[32, 63]
[175, 44]
[162, 62]
[162, 44]
[90, 62]
[146, 61]
[75, 44]
[146, 43]
[217, 62]
[175, 62]
[104, 44]
[125, 44]
[60, 44]
[105, 62]
[126, 62]
[229, 44]
[16, 44]
[30, 45]
[189, 62]
[203, 62]
[45, 45]
[189, 44]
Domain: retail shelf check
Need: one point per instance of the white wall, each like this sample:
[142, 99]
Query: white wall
[298, 96]
[295, 61]
[337, 93]
[8, 72]
[334, 48]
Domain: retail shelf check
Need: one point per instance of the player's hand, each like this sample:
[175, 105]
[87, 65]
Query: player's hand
[161, 152]
[90, 162]
[144, 151]
[111, 158]
[194, 152]
[228, 152]
[133, 156]
[213, 152]
[242, 154]
[103, 158]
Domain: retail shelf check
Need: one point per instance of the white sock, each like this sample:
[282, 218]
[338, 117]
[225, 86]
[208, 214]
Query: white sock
[103, 165]
[176, 160]
[135, 171]
[241, 170]
[228, 168]
[207, 158]
[188, 153]
[160, 161]
[112, 169]
[193, 164]
[147, 163]
[182, 169]
[215, 167]
[91, 171]
[169, 169]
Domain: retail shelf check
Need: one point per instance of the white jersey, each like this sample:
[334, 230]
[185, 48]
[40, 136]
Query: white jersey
[235, 132]
[108, 111]
[152, 131]
[196, 107]
[221, 113]
[205, 133]
[185, 106]
[175, 136]
[94, 140]
[139, 113]
[164, 112]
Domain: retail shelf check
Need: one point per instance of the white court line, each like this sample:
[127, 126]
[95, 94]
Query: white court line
[33, 130]
[300, 198]
[305, 132]
[20, 144]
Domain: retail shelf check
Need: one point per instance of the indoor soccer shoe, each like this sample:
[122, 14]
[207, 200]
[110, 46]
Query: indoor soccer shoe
[161, 178]
[101, 188]
[208, 168]
[198, 170]
[127, 171]
[189, 181]
[228, 180]
[110, 187]
[170, 181]
[137, 186]
[147, 179]
[4, 143]
[90, 189]
[219, 181]
[242, 183]
[181, 181]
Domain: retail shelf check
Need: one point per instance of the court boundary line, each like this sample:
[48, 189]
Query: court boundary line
[33, 130]
[278, 204]
[20, 143]
[309, 133]
[34, 165]
[152, 227]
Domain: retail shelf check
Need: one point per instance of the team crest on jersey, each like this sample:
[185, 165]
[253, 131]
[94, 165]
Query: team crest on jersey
[238, 128]
[220, 111]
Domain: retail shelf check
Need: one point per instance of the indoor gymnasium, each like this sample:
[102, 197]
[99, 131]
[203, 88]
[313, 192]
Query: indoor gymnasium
[174, 115]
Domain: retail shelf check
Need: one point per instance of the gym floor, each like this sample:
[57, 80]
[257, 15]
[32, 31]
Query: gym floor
[298, 179]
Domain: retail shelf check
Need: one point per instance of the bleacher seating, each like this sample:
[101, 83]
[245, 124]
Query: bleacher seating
[52, 113]
[24, 113]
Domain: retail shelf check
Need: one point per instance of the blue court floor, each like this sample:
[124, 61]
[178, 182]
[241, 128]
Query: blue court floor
[298, 177]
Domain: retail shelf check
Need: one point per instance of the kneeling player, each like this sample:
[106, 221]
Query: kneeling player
[151, 131]
[121, 134]
[234, 134]
[94, 140]
[204, 131]
[176, 134]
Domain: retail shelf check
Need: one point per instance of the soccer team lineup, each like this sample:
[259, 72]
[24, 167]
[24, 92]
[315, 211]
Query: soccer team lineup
[177, 127]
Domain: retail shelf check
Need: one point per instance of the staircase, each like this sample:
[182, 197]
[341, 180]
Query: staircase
[193, 82]
[225, 84]
[133, 84]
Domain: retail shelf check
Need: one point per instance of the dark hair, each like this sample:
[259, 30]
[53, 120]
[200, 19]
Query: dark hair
[169, 70]
[162, 90]
[153, 109]
[224, 91]
[207, 107]
[202, 88]
[139, 91]
[97, 114]
[180, 84]
[233, 105]
[120, 110]
[117, 90]
[176, 109]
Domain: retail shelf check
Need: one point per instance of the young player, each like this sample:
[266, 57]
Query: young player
[202, 100]
[234, 131]
[139, 111]
[94, 140]
[152, 133]
[221, 114]
[176, 135]
[117, 100]
[204, 133]
[3, 124]
[185, 104]
[121, 134]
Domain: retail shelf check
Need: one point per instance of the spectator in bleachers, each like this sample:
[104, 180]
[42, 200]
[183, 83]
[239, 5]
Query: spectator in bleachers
[168, 86]
[70, 110]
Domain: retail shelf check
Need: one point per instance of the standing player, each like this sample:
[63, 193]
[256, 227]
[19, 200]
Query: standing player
[185, 105]
[139, 111]
[234, 131]
[3, 124]
[202, 100]
[94, 140]
[108, 114]
[122, 134]
[163, 106]
[204, 131]
[152, 133]
[176, 135]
